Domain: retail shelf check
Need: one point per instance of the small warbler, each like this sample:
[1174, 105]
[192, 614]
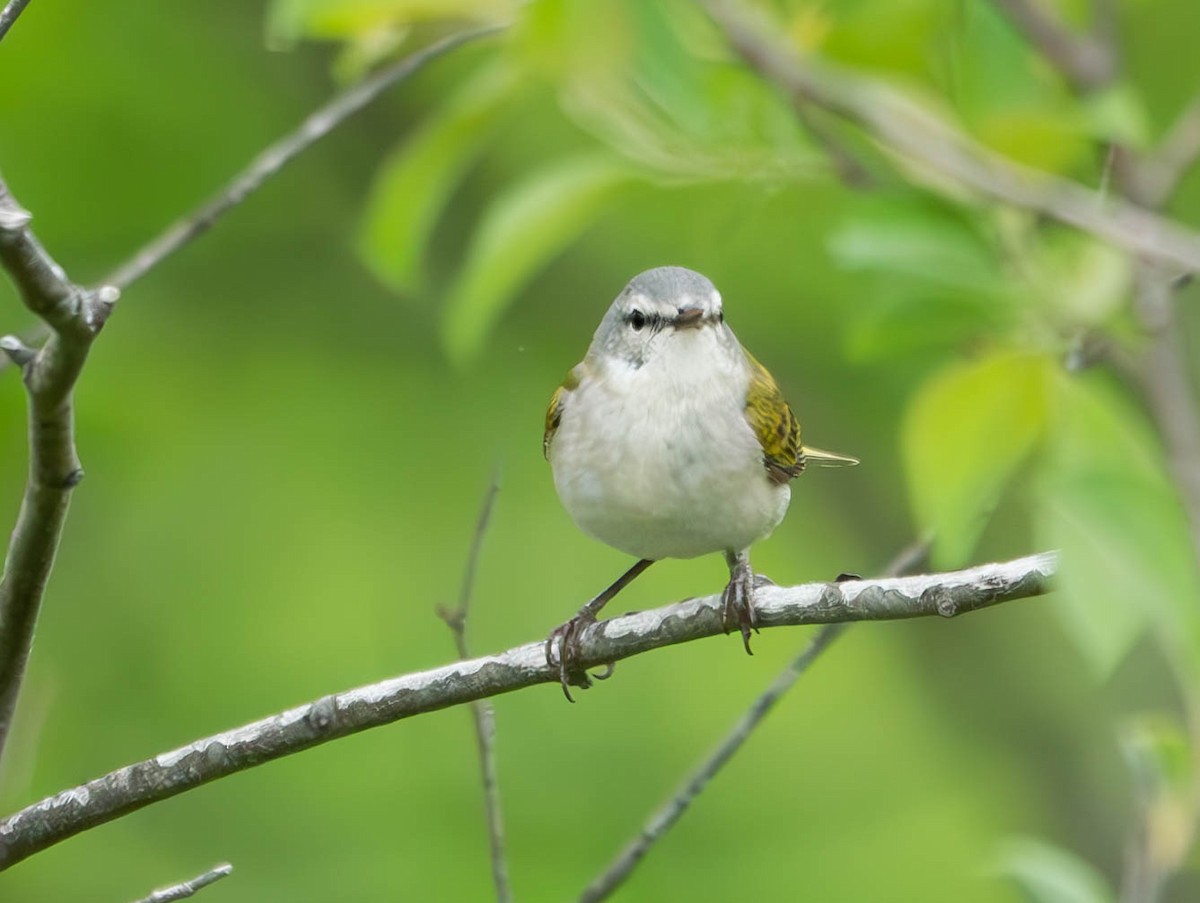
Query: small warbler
[670, 440]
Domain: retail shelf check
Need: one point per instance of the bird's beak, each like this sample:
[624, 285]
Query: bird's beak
[689, 318]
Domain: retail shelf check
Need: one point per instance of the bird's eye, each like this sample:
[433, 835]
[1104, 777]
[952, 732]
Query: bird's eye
[637, 319]
[720, 316]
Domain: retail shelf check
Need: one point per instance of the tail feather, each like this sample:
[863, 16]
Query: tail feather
[822, 458]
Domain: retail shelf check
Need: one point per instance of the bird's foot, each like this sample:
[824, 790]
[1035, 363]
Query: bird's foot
[563, 651]
[567, 636]
[737, 607]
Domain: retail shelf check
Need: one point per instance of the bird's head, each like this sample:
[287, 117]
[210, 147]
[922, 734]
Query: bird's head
[667, 310]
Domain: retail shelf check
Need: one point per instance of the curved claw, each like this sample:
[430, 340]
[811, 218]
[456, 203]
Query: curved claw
[607, 673]
[567, 635]
[738, 601]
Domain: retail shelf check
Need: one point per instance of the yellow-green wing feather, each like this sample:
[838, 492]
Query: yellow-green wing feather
[554, 412]
[774, 424]
[778, 430]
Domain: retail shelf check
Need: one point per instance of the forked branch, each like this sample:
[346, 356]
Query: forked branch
[74, 318]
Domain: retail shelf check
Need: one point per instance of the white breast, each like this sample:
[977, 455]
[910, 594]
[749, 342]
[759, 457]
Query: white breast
[659, 461]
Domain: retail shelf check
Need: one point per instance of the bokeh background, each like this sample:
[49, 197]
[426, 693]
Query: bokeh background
[288, 428]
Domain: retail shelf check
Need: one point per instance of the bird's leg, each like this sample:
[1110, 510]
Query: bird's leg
[738, 598]
[568, 634]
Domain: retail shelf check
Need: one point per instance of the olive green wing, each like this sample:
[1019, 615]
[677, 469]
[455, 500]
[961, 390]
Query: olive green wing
[557, 401]
[778, 430]
[774, 424]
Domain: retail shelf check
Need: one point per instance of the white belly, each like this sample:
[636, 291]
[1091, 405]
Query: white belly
[664, 465]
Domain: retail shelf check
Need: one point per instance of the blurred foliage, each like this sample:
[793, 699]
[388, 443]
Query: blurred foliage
[288, 426]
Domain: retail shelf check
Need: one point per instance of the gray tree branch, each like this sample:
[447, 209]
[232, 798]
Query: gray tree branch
[270, 161]
[274, 158]
[185, 889]
[127, 789]
[8, 15]
[74, 317]
[921, 137]
[1153, 177]
[1087, 61]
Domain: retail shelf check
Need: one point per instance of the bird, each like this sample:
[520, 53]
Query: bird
[670, 440]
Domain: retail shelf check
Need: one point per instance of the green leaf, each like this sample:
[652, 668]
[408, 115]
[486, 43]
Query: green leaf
[917, 237]
[1106, 503]
[414, 183]
[1050, 874]
[902, 319]
[1118, 115]
[533, 221]
[1160, 757]
[289, 21]
[896, 35]
[964, 434]
[1051, 139]
[1007, 96]
[1087, 281]
[654, 83]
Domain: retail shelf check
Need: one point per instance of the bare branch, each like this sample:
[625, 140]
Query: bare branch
[484, 716]
[8, 15]
[187, 888]
[665, 817]
[1159, 172]
[275, 157]
[1166, 382]
[902, 126]
[851, 171]
[118, 793]
[1087, 61]
[74, 317]
[267, 164]
[456, 619]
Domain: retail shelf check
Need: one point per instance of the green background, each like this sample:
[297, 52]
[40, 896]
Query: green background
[285, 458]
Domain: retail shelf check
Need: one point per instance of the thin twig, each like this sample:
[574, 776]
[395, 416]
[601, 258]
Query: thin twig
[484, 716]
[127, 789]
[1106, 28]
[1161, 170]
[456, 618]
[661, 821]
[275, 157]
[185, 889]
[74, 317]
[918, 134]
[1087, 61]
[1166, 382]
[269, 162]
[9, 15]
[851, 171]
